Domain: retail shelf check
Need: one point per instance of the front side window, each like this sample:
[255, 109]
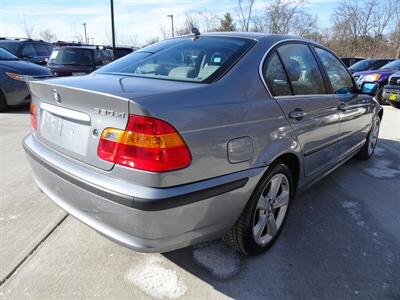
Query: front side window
[302, 69]
[275, 77]
[339, 78]
[183, 59]
[71, 56]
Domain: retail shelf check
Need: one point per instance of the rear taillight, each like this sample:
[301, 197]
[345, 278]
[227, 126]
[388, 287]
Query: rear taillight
[33, 112]
[146, 144]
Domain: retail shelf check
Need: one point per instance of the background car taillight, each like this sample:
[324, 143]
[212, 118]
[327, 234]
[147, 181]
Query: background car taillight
[33, 112]
[146, 144]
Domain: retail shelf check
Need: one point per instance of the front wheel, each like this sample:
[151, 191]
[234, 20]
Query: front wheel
[262, 220]
[368, 149]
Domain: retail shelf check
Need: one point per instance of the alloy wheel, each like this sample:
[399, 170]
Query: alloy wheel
[271, 209]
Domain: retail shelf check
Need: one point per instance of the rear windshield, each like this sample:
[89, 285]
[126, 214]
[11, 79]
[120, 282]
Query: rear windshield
[71, 56]
[10, 46]
[184, 59]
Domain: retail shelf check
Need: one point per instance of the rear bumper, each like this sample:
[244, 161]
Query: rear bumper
[146, 219]
[388, 90]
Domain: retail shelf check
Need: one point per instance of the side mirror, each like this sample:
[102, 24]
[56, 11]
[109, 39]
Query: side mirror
[369, 88]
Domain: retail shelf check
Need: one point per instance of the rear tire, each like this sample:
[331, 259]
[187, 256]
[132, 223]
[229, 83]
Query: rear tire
[395, 104]
[3, 102]
[265, 214]
[368, 149]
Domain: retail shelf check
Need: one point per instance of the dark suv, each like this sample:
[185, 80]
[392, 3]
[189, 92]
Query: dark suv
[78, 60]
[29, 50]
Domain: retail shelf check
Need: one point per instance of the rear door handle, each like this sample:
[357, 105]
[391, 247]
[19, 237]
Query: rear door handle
[343, 107]
[297, 114]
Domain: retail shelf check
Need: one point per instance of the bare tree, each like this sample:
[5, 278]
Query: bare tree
[164, 32]
[285, 17]
[27, 28]
[47, 36]
[359, 26]
[245, 13]
[191, 21]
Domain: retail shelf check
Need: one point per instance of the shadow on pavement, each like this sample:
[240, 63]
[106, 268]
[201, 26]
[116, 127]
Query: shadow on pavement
[341, 240]
[20, 109]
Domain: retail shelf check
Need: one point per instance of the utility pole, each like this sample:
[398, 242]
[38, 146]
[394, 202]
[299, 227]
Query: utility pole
[112, 25]
[172, 24]
[84, 26]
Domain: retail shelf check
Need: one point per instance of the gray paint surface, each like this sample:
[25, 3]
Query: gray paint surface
[207, 116]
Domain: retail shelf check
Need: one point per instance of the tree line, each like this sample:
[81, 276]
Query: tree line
[362, 28]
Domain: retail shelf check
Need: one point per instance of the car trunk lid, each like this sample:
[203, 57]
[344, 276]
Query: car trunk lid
[71, 119]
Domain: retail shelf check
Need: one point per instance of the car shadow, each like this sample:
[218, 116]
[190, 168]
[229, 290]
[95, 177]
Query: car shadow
[341, 240]
[18, 109]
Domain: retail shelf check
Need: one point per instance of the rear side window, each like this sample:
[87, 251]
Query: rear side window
[41, 50]
[184, 59]
[28, 51]
[339, 78]
[275, 77]
[302, 69]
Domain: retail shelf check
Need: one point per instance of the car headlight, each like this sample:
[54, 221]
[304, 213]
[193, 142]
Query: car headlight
[372, 77]
[19, 77]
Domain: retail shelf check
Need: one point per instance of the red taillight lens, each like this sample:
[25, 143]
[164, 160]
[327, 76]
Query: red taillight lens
[33, 112]
[147, 144]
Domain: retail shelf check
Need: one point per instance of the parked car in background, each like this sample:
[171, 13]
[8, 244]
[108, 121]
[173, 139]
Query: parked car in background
[391, 92]
[13, 76]
[78, 60]
[199, 136]
[380, 76]
[29, 50]
[122, 51]
[369, 64]
[349, 61]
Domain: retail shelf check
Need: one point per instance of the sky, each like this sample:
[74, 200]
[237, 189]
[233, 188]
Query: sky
[134, 19]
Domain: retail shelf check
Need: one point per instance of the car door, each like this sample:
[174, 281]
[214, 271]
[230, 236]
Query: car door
[297, 84]
[356, 110]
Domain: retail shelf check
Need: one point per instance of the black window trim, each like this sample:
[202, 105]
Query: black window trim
[274, 48]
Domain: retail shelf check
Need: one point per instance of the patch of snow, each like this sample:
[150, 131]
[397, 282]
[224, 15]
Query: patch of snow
[382, 168]
[156, 280]
[354, 211]
[379, 151]
[222, 261]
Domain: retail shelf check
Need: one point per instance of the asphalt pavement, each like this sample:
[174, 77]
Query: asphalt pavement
[341, 241]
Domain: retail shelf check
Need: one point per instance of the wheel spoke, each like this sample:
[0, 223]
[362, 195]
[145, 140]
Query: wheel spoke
[275, 185]
[272, 228]
[259, 227]
[282, 199]
[262, 203]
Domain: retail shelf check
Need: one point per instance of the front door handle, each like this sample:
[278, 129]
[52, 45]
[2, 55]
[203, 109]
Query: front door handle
[343, 107]
[297, 114]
